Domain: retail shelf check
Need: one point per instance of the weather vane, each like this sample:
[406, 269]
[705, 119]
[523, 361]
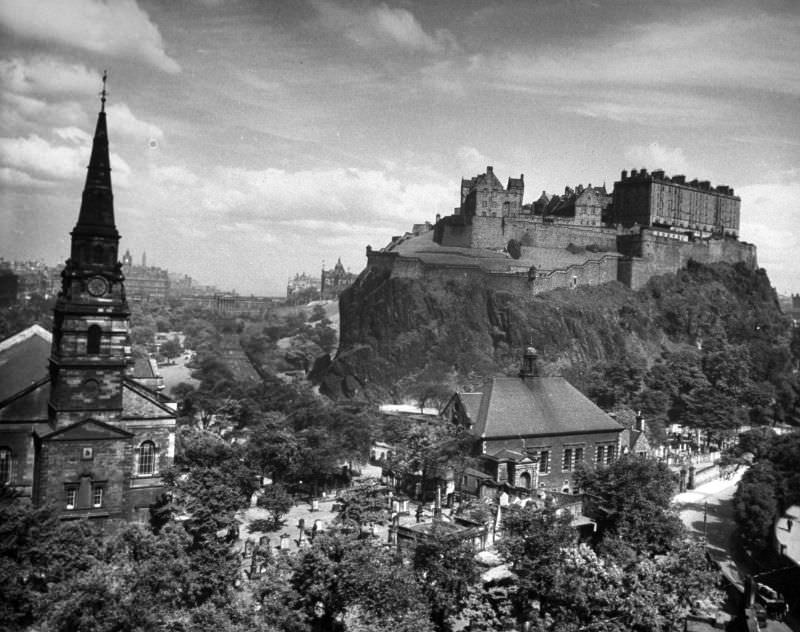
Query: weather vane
[103, 94]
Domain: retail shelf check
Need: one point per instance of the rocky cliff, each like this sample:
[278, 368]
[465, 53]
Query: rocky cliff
[405, 338]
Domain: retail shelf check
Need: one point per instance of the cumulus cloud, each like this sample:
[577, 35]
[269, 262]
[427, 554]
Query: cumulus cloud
[382, 26]
[655, 156]
[770, 217]
[120, 28]
[125, 123]
[19, 112]
[41, 159]
[33, 159]
[47, 75]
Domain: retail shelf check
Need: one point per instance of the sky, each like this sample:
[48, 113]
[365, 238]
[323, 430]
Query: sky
[255, 139]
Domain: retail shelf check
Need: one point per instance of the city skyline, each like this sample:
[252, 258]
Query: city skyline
[252, 140]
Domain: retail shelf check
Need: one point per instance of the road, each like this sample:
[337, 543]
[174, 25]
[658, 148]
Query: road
[708, 514]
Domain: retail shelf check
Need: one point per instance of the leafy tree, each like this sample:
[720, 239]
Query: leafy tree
[631, 499]
[755, 505]
[277, 501]
[317, 313]
[171, 348]
[532, 541]
[446, 568]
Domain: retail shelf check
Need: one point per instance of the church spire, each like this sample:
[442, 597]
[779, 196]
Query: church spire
[97, 206]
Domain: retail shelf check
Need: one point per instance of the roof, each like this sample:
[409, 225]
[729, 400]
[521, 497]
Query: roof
[513, 407]
[471, 403]
[23, 360]
[138, 402]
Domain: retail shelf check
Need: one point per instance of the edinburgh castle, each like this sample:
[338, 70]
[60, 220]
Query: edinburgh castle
[649, 224]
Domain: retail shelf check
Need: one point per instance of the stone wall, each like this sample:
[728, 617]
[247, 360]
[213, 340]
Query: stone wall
[648, 255]
[494, 233]
[63, 464]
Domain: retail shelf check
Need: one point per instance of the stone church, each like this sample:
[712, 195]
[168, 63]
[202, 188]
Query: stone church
[76, 429]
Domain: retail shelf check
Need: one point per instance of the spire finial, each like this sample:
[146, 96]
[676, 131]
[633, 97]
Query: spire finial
[103, 94]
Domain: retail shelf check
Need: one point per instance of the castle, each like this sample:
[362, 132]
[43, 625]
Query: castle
[650, 224]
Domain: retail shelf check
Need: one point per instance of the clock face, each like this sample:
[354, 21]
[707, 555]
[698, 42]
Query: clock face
[97, 286]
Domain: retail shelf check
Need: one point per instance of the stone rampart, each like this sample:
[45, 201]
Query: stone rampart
[648, 254]
[495, 232]
[591, 272]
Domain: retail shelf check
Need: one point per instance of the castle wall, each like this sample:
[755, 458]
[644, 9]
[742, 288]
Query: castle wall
[649, 254]
[494, 233]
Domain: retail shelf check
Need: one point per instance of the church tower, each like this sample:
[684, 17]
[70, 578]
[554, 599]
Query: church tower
[91, 346]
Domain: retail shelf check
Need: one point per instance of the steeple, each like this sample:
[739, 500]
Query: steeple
[91, 334]
[96, 217]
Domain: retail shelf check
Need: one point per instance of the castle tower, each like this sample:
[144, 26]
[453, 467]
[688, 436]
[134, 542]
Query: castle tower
[90, 346]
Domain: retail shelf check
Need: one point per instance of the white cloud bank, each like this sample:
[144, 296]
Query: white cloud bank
[120, 28]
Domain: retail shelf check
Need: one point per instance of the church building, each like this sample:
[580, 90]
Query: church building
[531, 432]
[76, 429]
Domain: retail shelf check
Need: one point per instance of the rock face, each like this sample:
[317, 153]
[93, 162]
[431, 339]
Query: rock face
[397, 333]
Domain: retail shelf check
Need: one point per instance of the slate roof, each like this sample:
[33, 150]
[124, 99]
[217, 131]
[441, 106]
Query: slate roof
[512, 407]
[471, 403]
[23, 360]
[138, 402]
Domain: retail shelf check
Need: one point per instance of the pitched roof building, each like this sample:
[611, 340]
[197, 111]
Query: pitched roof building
[532, 431]
[75, 426]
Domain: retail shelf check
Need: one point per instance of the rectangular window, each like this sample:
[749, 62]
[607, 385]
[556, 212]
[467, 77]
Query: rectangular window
[97, 496]
[609, 454]
[566, 461]
[72, 496]
[600, 453]
[578, 455]
[544, 461]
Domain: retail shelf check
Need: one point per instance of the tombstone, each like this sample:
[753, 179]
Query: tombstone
[249, 545]
[284, 542]
[314, 504]
[503, 499]
[264, 540]
[301, 523]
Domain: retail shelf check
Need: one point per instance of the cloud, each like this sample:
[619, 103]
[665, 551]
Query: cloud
[471, 161]
[656, 156]
[383, 26]
[33, 159]
[18, 112]
[770, 217]
[47, 75]
[118, 28]
[122, 121]
[41, 159]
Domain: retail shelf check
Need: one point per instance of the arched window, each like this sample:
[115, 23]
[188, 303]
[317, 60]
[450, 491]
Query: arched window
[147, 458]
[5, 465]
[525, 480]
[93, 342]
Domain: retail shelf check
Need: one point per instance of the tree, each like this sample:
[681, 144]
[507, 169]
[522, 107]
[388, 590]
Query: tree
[532, 541]
[631, 499]
[171, 348]
[277, 501]
[445, 566]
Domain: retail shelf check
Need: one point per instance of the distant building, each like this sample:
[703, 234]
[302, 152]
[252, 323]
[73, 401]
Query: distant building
[334, 282]
[303, 288]
[76, 429]
[533, 431]
[654, 199]
[143, 283]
